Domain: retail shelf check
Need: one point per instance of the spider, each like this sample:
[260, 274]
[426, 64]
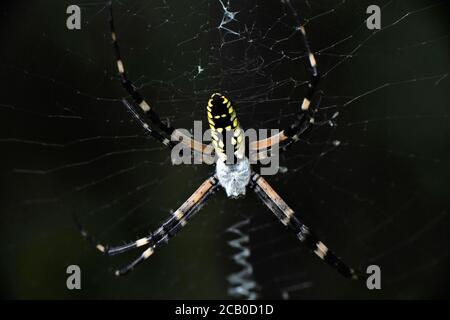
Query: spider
[235, 178]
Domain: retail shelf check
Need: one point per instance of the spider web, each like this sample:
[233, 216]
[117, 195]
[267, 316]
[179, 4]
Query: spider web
[371, 179]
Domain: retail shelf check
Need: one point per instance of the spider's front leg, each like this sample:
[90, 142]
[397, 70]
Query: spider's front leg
[287, 217]
[168, 229]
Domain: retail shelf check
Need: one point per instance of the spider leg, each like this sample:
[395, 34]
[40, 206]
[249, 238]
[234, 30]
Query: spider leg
[287, 217]
[168, 229]
[147, 128]
[164, 131]
[304, 119]
[129, 86]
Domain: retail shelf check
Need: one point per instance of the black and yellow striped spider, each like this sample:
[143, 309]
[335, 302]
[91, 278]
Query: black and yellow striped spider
[234, 178]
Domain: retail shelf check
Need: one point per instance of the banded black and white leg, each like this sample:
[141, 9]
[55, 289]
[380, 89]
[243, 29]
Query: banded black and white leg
[159, 130]
[304, 118]
[148, 130]
[206, 151]
[144, 106]
[287, 217]
[168, 229]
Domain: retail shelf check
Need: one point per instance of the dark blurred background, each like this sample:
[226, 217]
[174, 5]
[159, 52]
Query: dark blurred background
[373, 182]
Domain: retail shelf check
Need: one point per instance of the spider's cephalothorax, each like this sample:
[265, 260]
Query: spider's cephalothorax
[232, 167]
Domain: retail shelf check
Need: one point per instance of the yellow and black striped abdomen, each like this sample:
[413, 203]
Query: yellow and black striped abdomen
[222, 118]
[221, 114]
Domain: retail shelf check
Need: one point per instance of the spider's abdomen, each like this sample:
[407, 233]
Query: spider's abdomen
[222, 119]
